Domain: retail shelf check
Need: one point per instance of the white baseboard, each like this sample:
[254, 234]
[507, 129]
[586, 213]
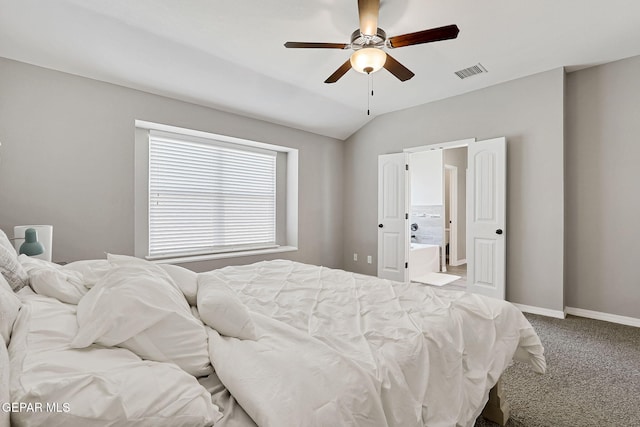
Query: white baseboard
[580, 312]
[457, 262]
[613, 318]
[558, 314]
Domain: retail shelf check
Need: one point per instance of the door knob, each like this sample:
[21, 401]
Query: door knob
[499, 231]
[380, 225]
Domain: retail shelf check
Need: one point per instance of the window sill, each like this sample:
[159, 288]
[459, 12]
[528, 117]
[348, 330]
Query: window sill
[223, 255]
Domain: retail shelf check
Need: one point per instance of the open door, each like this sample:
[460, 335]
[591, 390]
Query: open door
[393, 216]
[486, 217]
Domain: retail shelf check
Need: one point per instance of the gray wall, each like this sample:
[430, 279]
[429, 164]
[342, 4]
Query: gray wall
[529, 113]
[458, 157]
[602, 181]
[67, 159]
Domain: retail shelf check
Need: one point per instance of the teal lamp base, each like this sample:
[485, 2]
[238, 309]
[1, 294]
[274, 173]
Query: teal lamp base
[31, 246]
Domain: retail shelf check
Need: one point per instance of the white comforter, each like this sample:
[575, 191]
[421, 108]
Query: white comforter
[431, 355]
[332, 348]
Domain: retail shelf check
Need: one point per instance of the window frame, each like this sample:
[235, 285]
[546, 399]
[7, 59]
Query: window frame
[286, 190]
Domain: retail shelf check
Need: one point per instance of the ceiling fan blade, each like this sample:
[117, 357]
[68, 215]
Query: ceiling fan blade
[368, 11]
[397, 69]
[425, 36]
[315, 45]
[339, 72]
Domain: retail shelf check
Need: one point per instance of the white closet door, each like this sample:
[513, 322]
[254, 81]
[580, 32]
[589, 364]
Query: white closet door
[392, 216]
[486, 217]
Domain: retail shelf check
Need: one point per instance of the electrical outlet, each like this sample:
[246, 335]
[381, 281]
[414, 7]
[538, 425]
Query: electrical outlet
[369, 259]
[355, 256]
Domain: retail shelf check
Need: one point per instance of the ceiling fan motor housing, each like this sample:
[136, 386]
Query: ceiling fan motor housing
[359, 41]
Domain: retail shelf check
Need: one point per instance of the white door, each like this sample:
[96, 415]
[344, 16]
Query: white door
[393, 216]
[486, 217]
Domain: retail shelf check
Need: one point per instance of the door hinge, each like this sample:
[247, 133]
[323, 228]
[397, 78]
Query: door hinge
[406, 167]
[406, 216]
[406, 265]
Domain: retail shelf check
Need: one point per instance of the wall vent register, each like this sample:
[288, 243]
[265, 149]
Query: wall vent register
[471, 71]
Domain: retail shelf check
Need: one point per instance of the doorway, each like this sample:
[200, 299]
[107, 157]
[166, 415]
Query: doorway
[455, 200]
[437, 216]
[483, 217]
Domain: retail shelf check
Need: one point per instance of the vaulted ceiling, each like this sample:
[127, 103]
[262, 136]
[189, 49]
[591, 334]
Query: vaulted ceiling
[229, 54]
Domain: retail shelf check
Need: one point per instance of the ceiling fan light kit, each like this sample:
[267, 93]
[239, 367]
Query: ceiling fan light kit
[369, 41]
[368, 60]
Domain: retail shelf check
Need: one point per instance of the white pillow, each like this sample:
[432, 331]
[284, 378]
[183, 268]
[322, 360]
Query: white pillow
[9, 307]
[186, 280]
[11, 269]
[140, 309]
[92, 270]
[221, 308]
[4, 241]
[50, 279]
[65, 286]
[124, 260]
[32, 263]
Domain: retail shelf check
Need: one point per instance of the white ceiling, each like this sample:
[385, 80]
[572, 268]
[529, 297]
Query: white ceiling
[229, 54]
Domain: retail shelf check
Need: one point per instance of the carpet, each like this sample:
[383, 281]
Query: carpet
[592, 379]
[436, 279]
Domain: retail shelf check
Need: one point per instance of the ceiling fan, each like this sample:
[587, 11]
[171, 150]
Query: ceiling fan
[368, 42]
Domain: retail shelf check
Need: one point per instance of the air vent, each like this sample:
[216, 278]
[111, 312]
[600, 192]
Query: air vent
[471, 71]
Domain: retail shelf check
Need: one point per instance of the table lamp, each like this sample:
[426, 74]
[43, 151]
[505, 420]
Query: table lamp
[31, 246]
[43, 236]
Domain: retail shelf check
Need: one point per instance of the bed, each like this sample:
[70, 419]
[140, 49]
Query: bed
[125, 342]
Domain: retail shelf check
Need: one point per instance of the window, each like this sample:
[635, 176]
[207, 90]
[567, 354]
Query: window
[212, 196]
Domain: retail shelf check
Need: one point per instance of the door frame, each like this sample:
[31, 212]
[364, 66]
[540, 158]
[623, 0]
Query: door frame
[451, 172]
[446, 145]
[441, 146]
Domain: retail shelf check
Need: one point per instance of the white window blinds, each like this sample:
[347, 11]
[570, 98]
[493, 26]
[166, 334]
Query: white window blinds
[208, 197]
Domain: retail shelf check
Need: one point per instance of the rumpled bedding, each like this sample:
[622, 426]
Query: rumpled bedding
[96, 386]
[432, 354]
[331, 348]
[286, 378]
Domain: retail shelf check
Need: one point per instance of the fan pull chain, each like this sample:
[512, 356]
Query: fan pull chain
[368, 85]
[369, 90]
[371, 78]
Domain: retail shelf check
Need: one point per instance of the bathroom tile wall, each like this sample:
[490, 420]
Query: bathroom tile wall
[429, 221]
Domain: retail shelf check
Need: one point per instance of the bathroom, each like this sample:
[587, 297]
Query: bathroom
[438, 216]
